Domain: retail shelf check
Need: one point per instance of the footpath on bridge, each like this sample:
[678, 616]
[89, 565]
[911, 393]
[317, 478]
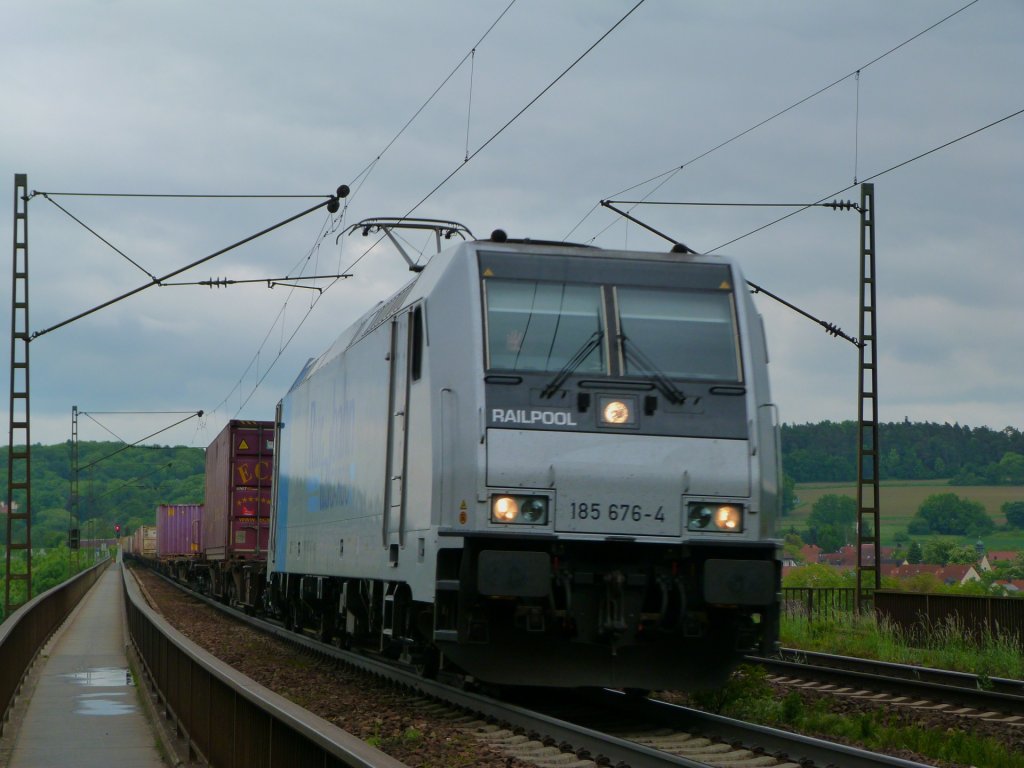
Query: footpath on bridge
[86, 711]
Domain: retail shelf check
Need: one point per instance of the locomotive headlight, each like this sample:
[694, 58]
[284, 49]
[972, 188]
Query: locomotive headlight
[726, 518]
[535, 510]
[617, 411]
[522, 510]
[504, 509]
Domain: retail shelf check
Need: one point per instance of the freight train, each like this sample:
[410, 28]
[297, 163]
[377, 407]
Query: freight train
[219, 547]
[538, 464]
[535, 464]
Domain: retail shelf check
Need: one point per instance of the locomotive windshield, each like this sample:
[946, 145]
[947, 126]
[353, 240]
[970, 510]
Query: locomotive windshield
[534, 326]
[684, 334]
[604, 325]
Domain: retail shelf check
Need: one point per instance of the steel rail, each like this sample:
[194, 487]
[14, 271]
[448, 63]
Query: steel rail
[585, 742]
[986, 694]
[794, 747]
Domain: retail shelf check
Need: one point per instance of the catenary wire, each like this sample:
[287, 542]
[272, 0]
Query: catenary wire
[502, 129]
[359, 179]
[356, 186]
[872, 177]
[147, 437]
[665, 176]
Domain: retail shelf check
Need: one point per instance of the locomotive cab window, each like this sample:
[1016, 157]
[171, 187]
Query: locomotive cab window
[679, 334]
[536, 326]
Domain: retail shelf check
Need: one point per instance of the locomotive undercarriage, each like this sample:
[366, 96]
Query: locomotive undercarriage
[646, 615]
[368, 614]
[524, 613]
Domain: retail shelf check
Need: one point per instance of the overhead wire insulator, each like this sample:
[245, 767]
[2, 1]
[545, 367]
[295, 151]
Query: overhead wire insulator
[842, 205]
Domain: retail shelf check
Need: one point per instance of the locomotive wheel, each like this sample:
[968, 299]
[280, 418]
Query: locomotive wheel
[291, 617]
[429, 663]
[325, 631]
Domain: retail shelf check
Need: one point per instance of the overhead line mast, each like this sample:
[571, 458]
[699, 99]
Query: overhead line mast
[868, 513]
[868, 504]
[18, 506]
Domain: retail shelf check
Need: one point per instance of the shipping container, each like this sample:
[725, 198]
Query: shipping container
[239, 472]
[143, 542]
[179, 531]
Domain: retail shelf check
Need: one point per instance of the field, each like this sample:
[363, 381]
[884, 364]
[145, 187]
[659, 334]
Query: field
[900, 499]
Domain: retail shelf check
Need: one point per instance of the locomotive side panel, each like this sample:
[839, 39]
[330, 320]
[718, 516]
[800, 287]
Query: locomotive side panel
[332, 464]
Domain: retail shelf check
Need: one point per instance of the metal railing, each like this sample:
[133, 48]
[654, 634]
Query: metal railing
[226, 718]
[921, 616]
[821, 603]
[24, 633]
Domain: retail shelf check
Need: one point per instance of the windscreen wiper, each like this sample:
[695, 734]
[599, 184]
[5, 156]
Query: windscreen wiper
[574, 362]
[651, 370]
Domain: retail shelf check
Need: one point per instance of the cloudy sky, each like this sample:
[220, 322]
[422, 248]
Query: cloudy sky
[262, 98]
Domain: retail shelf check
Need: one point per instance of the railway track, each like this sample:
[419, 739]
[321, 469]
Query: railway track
[594, 728]
[997, 700]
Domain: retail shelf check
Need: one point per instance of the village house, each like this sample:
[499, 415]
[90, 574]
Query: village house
[947, 574]
[989, 559]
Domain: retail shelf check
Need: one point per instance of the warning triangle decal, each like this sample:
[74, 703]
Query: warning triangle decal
[488, 272]
[243, 446]
[725, 286]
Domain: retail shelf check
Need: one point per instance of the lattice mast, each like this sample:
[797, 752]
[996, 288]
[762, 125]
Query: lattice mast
[869, 574]
[18, 506]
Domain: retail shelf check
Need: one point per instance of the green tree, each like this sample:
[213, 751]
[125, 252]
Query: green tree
[792, 545]
[948, 514]
[788, 494]
[1010, 470]
[948, 551]
[963, 555]
[1015, 569]
[923, 582]
[829, 537]
[1014, 511]
[915, 554]
[833, 521]
[817, 575]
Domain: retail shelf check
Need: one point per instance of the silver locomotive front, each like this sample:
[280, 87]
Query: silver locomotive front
[623, 526]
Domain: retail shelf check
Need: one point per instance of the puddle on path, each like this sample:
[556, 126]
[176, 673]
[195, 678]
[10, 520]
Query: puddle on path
[107, 677]
[103, 704]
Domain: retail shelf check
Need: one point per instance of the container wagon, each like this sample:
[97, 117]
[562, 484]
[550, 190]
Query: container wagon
[179, 537]
[143, 546]
[236, 515]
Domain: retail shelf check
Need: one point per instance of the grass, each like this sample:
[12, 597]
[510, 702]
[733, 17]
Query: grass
[899, 501]
[949, 647]
[749, 696]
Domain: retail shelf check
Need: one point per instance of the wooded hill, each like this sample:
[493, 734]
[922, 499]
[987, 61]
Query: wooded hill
[827, 452]
[116, 485]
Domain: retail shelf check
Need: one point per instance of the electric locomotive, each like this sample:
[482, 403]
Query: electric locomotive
[538, 464]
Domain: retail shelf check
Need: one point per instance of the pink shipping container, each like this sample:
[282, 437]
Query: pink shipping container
[239, 474]
[179, 530]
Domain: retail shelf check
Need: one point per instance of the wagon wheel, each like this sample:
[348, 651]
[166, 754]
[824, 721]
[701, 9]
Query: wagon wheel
[325, 630]
[291, 616]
